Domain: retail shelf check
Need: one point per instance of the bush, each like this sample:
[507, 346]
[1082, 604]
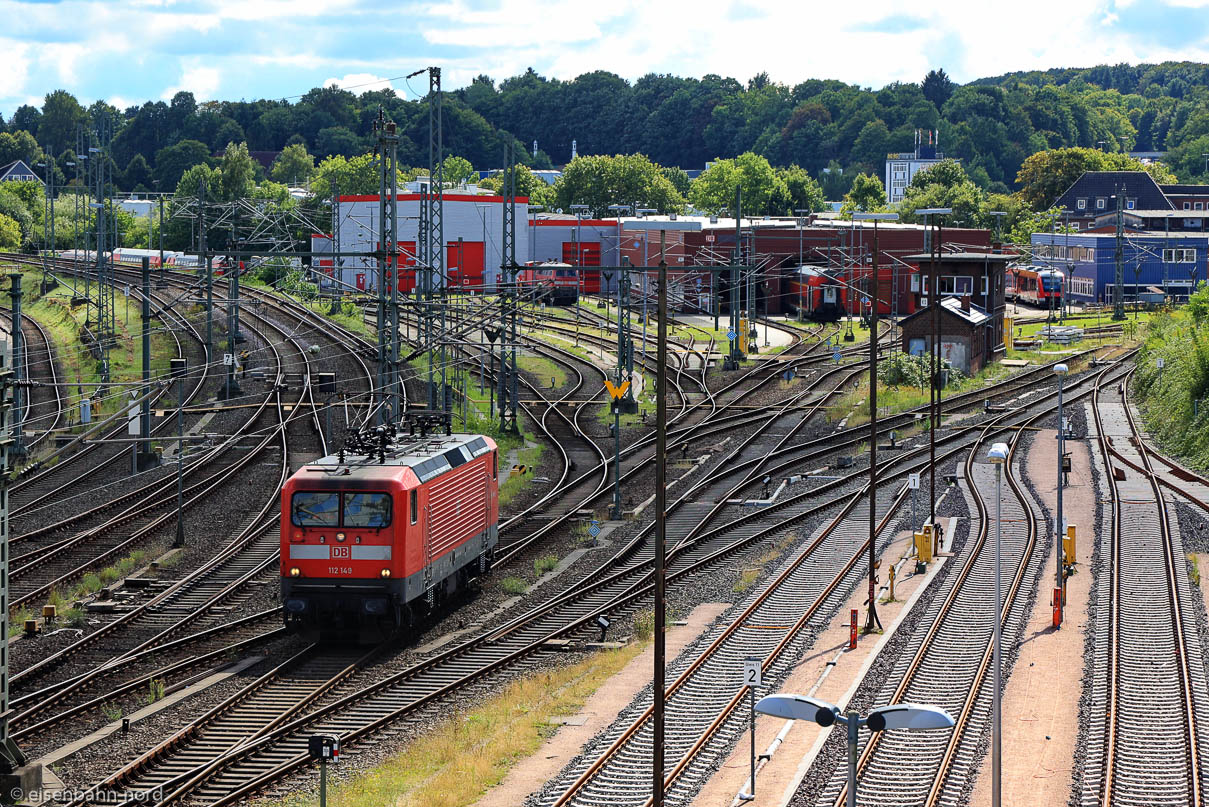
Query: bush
[513, 585]
[904, 369]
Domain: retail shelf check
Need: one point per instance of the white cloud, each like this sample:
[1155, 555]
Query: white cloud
[199, 78]
[359, 82]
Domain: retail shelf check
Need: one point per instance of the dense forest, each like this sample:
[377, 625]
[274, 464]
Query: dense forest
[1020, 140]
[992, 124]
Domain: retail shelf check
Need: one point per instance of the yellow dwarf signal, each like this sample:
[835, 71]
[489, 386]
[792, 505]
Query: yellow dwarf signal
[616, 390]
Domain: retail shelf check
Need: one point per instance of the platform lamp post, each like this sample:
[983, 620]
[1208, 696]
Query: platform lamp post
[1060, 370]
[909, 716]
[935, 375]
[177, 369]
[872, 622]
[998, 457]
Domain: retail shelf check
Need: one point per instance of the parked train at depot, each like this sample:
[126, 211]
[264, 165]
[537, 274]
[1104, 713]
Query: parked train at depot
[1034, 285]
[386, 530]
[820, 294]
[556, 283]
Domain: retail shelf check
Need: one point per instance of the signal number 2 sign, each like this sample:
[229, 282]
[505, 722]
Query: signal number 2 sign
[753, 671]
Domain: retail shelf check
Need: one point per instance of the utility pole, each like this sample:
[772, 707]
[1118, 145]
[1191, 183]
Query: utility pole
[872, 621]
[145, 406]
[435, 233]
[18, 346]
[935, 375]
[15, 777]
[232, 385]
[509, 300]
[1118, 300]
[388, 273]
[736, 355]
[660, 532]
[204, 253]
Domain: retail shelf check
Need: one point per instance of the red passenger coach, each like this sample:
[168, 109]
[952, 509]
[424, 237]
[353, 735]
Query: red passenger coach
[819, 293]
[376, 535]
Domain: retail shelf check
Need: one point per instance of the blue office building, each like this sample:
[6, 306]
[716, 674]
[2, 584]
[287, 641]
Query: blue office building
[1155, 262]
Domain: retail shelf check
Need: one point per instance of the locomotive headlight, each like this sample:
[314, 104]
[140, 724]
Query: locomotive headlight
[340, 537]
[295, 571]
[385, 573]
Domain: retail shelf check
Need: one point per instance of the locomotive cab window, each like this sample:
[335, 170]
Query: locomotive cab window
[367, 509]
[312, 508]
[414, 505]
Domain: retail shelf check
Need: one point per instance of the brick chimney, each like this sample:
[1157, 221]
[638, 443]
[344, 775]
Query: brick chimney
[965, 303]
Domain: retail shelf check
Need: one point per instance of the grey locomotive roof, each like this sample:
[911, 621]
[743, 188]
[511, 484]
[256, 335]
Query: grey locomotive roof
[428, 456]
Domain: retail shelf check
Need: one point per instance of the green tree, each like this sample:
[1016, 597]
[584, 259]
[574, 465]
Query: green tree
[937, 87]
[19, 145]
[763, 190]
[600, 181]
[10, 233]
[338, 174]
[137, 173]
[338, 140]
[61, 114]
[528, 185]
[678, 177]
[1046, 175]
[804, 193]
[456, 170]
[172, 162]
[945, 184]
[293, 165]
[866, 196]
[238, 172]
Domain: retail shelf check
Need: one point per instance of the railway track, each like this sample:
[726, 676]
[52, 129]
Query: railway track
[1150, 746]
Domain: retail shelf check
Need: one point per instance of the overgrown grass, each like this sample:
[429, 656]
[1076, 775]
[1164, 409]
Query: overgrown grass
[17, 619]
[513, 585]
[1174, 399]
[545, 563]
[513, 484]
[462, 758]
[63, 323]
[543, 369]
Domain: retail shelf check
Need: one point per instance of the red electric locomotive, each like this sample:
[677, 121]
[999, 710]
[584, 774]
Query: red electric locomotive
[386, 530]
[557, 283]
[816, 292]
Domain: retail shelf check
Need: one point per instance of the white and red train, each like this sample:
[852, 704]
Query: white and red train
[385, 530]
[1034, 285]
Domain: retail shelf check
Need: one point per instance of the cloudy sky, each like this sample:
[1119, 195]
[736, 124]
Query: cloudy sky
[128, 51]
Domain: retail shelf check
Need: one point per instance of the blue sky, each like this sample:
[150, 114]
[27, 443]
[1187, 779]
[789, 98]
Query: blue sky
[128, 51]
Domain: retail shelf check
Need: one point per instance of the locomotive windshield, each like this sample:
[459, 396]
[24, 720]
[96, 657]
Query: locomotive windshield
[315, 509]
[310, 508]
[1051, 283]
[366, 509]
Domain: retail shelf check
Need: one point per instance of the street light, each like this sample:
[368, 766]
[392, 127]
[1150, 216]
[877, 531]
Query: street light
[911, 717]
[872, 622]
[1059, 581]
[997, 456]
